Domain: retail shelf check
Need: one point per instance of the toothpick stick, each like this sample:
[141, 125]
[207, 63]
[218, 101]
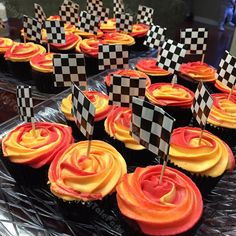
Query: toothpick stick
[203, 58]
[200, 139]
[89, 147]
[162, 172]
[173, 81]
[24, 38]
[230, 93]
[34, 128]
[48, 48]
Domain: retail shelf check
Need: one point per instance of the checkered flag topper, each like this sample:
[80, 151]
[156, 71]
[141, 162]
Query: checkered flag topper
[145, 15]
[88, 23]
[151, 126]
[155, 37]
[171, 56]
[55, 32]
[32, 28]
[40, 15]
[195, 40]
[84, 112]
[201, 105]
[113, 56]
[124, 22]
[118, 7]
[68, 69]
[101, 12]
[124, 88]
[69, 13]
[25, 103]
[226, 72]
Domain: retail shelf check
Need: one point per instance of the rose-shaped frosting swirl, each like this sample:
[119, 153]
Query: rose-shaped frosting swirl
[23, 51]
[198, 71]
[128, 72]
[166, 94]
[223, 88]
[212, 157]
[108, 26]
[23, 146]
[75, 176]
[71, 41]
[139, 30]
[117, 125]
[42, 62]
[99, 100]
[148, 66]
[89, 46]
[170, 208]
[118, 38]
[223, 111]
[5, 44]
[89, 35]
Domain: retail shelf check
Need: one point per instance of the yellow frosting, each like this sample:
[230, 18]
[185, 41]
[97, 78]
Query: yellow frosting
[42, 63]
[5, 43]
[118, 38]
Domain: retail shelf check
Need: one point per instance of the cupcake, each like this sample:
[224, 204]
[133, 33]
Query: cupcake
[5, 44]
[223, 88]
[139, 33]
[85, 35]
[69, 46]
[28, 153]
[222, 117]
[155, 73]
[175, 99]
[193, 72]
[174, 207]
[118, 38]
[18, 58]
[117, 126]
[204, 162]
[90, 49]
[100, 101]
[108, 26]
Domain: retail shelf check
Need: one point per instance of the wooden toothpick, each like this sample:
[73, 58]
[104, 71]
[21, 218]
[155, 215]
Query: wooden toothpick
[203, 58]
[200, 138]
[89, 147]
[48, 48]
[230, 93]
[162, 172]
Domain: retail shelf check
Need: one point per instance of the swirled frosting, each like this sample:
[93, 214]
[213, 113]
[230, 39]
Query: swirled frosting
[118, 38]
[71, 41]
[23, 146]
[75, 176]
[166, 94]
[42, 62]
[170, 208]
[54, 17]
[198, 71]
[128, 72]
[89, 35]
[22, 52]
[99, 100]
[5, 44]
[223, 88]
[108, 26]
[223, 111]
[148, 66]
[89, 46]
[212, 157]
[117, 125]
[139, 30]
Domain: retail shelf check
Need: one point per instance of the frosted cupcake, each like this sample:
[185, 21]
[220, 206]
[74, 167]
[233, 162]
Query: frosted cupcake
[5, 44]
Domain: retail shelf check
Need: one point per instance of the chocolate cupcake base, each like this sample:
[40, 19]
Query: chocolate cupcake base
[139, 46]
[161, 78]
[91, 65]
[3, 64]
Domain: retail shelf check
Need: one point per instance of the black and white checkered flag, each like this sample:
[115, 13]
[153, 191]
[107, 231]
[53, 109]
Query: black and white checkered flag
[145, 15]
[94, 2]
[2, 24]
[226, 72]
[155, 37]
[25, 103]
[69, 12]
[118, 7]
[84, 112]
[195, 40]
[113, 56]
[55, 32]
[88, 23]
[124, 88]
[101, 12]
[124, 22]
[151, 127]
[68, 69]
[171, 56]
[32, 28]
[201, 105]
[40, 15]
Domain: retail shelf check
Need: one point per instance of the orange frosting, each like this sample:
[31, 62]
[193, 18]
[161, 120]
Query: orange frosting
[198, 71]
[55, 17]
[23, 52]
[223, 88]
[36, 149]
[166, 94]
[170, 208]
[139, 30]
[118, 38]
[148, 66]
[89, 46]
[130, 73]
[75, 176]
[5, 44]
[42, 62]
[89, 35]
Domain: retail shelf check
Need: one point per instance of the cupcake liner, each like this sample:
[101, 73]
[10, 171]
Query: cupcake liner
[3, 64]
[161, 78]
[139, 46]
[55, 50]
[91, 65]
